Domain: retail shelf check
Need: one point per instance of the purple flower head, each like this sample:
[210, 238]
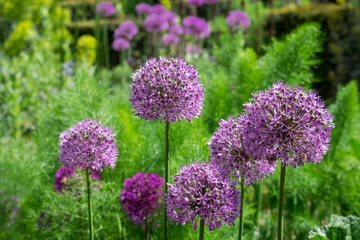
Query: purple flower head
[65, 173]
[227, 152]
[193, 49]
[156, 23]
[68, 68]
[105, 9]
[170, 39]
[199, 191]
[167, 89]
[197, 3]
[120, 44]
[171, 17]
[126, 30]
[141, 196]
[88, 144]
[196, 27]
[238, 19]
[176, 29]
[210, 1]
[143, 8]
[287, 123]
[157, 9]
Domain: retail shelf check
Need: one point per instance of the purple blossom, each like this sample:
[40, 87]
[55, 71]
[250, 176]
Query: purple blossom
[287, 123]
[157, 9]
[120, 44]
[196, 27]
[88, 144]
[167, 89]
[171, 17]
[197, 3]
[143, 8]
[193, 49]
[156, 23]
[68, 68]
[199, 191]
[210, 1]
[105, 9]
[176, 29]
[141, 196]
[170, 39]
[126, 30]
[228, 153]
[238, 19]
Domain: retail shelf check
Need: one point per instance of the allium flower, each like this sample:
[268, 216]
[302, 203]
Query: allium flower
[171, 17]
[120, 44]
[143, 8]
[64, 173]
[238, 19]
[176, 29]
[170, 39]
[200, 192]
[105, 9]
[167, 89]
[156, 23]
[196, 27]
[157, 9]
[126, 30]
[88, 144]
[287, 123]
[141, 196]
[227, 152]
[197, 3]
[193, 49]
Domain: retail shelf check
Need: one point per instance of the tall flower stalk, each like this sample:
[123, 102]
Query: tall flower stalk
[290, 124]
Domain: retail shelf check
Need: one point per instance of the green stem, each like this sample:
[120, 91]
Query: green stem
[281, 203]
[106, 45]
[167, 128]
[241, 223]
[147, 235]
[89, 204]
[258, 201]
[201, 233]
[97, 36]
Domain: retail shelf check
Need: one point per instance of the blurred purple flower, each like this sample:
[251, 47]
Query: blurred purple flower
[88, 144]
[157, 9]
[197, 3]
[238, 19]
[287, 123]
[156, 23]
[193, 49]
[196, 27]
[68, 68]
[176, 29]
[120, 44]
[126, 30]
[167, 89]
[130, 61]
[170, 39]
[171, 17]
[105, 9]
[141, 196]
[210, 1]
[143, 8]
[200, 192]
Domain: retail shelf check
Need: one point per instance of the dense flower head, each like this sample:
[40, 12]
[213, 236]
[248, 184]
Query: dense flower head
[200, 192]
[88, 144]
[193, 49]
[171, 17]
[170, 39]
[156, 23]
[143, 8]
[63, 175]
[197, 3]
[120, 44]
[167, 89]
[196, 27]
[158, 9]
[228, 153]
[126, 30]
[176, 29]
[105, 9]
[142, 195]
[287, 123]
[238, 19]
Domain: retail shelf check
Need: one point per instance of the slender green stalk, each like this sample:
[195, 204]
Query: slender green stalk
[201, 233]
[97, 36]
[167, 128]
[89, 204]
[147, 235]
[241, 223]
[106, 45]
[258, 202]
[281, 203]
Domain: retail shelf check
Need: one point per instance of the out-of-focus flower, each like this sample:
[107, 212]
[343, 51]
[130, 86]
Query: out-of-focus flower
[196, 27]
[170, 39]
[287, 123]
[68, 68]
[156, 23]
[88, 144]
[105, 9]
[171, 17]
[141, 196]
[193, 49]
[200, 192]
[120, 44]
[167, 89]
[210, 1]
[197, 3]
[18, 39]
[158, 9]
[86, 48]
[126, 30]
[176, 29]
[143, 8]
[238, 19]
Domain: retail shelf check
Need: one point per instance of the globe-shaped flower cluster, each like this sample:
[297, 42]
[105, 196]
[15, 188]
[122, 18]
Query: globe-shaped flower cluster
[200, 191]
[142, 195]
[126, 30]
[167, 89]
[170, 39]
[238, 19]
[88, 144]
[287, 123]
[227, 152]
[196, 27]
[105, 9]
